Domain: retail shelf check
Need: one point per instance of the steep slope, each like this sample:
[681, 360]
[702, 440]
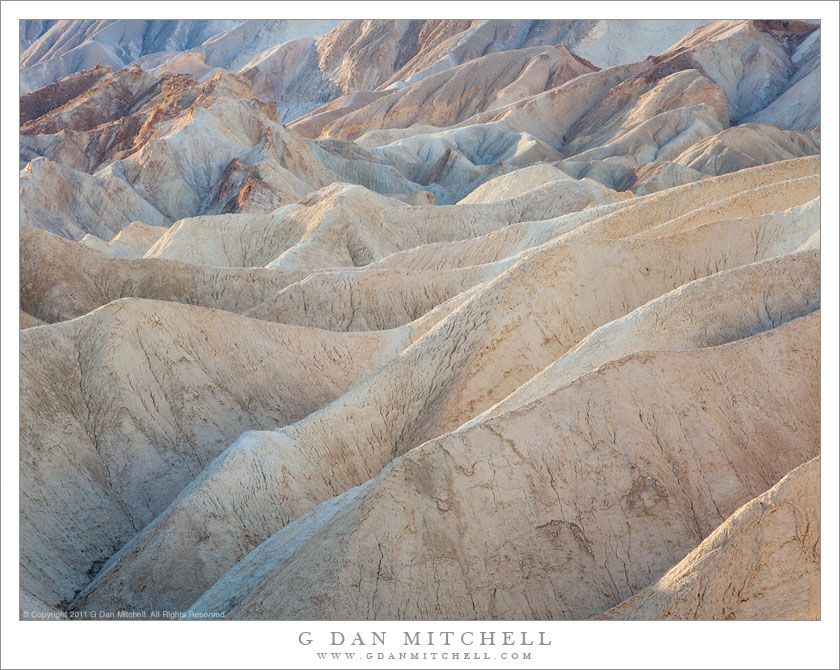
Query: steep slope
[355, 55]
[112, 98]
[479, 353]
[420, 319]
[26, 320]
[798, 106]
[69, 46]
[599, 41]
[60, 280]
[72, 203]
[762, 563]
[448, 97]
[187, 148]
[305, 74]
[754, 62]
[454, 161]
[131, 242]
[30, 30]
[118, 116]
[235, 47]
[615, 42]
[733, 149]
[590, 493]
[180, 168]
[640, 100]
[514, 183]
[740, 302]
[142, 395]
[365, 56]
[152, 131]
[43, 100]
[616, 220]
[746, 146]
[368, 299]
[349, 226]
[608, 122]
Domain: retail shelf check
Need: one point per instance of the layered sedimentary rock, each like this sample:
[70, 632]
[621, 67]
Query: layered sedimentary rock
[420, 319]
[451, 96]
[432, 388]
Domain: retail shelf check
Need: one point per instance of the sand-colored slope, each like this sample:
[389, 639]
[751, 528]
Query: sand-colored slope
[735, 148]
[747, 193]
[71, 203]
[764, 202]
[740, 303]
[523, 344]
[640, 100]
[61, 279]
[390, 55]
[475, 356]
[382, 297]
[368, 299]
[141, 396]
[356, 55]
[734, 304]
[133, 241]
[705, 69]
[350, 226]
[625, 218]
[29, 321]
[234, 240]
[746, 146]
[450, 96]
[551, 115]
[762, 563]
[562, 507]
[514, 183]
[453, 161]
[115, 118]
[176, 143]
[752, 61]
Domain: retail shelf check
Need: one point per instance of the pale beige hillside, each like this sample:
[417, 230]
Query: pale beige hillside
[141, 396]
[476, 355]
[762, 563]
[61, 279]
[420, 319]
[554, 511]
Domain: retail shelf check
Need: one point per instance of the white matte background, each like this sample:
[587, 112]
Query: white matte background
[274, 644]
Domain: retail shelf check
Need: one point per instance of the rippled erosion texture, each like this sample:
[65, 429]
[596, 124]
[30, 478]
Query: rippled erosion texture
[420, 319]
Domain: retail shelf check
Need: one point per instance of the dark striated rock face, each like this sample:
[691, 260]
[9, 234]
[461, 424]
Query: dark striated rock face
[36, 104]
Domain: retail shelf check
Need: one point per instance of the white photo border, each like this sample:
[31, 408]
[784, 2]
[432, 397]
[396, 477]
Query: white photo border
[276, 644]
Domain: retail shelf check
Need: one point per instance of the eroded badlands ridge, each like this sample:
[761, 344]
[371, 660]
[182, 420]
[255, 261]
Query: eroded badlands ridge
[778, 530]
[421, 319]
